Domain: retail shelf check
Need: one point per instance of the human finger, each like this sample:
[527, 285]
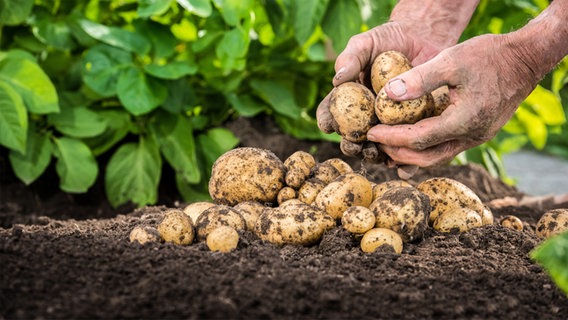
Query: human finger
[323, 115]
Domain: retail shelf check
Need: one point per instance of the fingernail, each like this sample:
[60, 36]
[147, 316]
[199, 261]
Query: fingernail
[339, 73]
[398, 87]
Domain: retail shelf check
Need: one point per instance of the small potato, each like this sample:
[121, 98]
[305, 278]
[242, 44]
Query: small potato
[351, 105]
[461, 219]
[246, 174]
[219, 215]
[487, 216]
[341, 166]
[349, 148]
[380, 188]
[512, 222]
[446, 194]
[403, 112]
[223, 239]
[386, 66]
[351, 189]
[310, 189]
[176, 227]
[325, 172]
[298, 167]
[377, 237]
[297, 224]
[285, 194]
[441, 98]
[552, 222]
[144, 234]
[404, 210]
[250, 210]
[358, 219]
[193, 210]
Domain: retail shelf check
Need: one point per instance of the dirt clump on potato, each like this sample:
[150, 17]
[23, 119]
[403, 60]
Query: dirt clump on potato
[144, 234]
[379, 237]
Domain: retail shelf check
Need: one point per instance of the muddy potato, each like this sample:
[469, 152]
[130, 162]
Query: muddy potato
[380, 188]
[176, 227]
[298, 167]
[250, 210]
[404, 210]
[325, 172]
[193, 210]
[310, 189]
[297, 224]
[386, 66]
[219, 215]
[511, 222]
[351, 189]
[552, 222]
[461, 219]
[403, 112]
[487, 216]
[446, 194]
[341, 166]
[358, 219]
[222, 239]
[441, 98]
[285, 194]
[144, 234]
[377, 237]
[246, 174]
[351, 105]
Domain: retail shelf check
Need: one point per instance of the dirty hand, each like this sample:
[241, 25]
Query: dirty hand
[418, 29]
[488, 77]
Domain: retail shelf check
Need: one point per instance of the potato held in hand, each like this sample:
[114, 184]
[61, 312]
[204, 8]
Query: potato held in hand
[246, 174]
[386, 66]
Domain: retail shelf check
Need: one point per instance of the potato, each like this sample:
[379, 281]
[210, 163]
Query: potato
[461, 219]
[341, 166]
[291, 201]
[403, 112]
[297, 224]
[219, 215]
[358, 219]
[446, 194]
[552, 222]
[144, 234]
[377, 237]
[285, 194]
[386, 66]
[487, 216]
[404, 210]
[176, 227]
[310, 189]
[380, 188]
[246, 174]
[222, 239]
[441, 98]
[351, 105]
[325, 172]
[298, 167]
[512, 222]
[250, 210]
[193, 210]
[351, 189]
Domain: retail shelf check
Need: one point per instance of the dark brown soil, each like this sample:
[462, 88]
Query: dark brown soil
[69, 257]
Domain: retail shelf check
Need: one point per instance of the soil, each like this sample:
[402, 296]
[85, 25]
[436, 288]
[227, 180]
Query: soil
[64, 256]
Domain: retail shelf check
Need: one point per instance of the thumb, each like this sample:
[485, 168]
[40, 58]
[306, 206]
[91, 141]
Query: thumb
[416, 82]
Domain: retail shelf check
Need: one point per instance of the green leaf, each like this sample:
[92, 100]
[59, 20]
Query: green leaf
[278, 95]
[234, 44]
[117, 123]
[534, 126]
[246, 104]
[76, 165]
[234, 10]
[181, 96]
[304, 127]
[547, 105]
[17, 54]
[192, 192]
[201, 8]
[214, 143]
[30, 165]
[307, 15]
[175, 137]
[163, 41]
[102, 66]
[14, 12]
[54, 32]
[552, 254]
[116, 37]
[133, 173]
[341, 21]
[171, 70]
[148, 8]
[78, 122]
[13, 119]
[33, 85]
[139, 93]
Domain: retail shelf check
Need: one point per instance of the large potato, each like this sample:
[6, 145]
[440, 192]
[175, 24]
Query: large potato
[460, 219]
[386, 66]
[378, 237]
[217, 216]
[403, 112]
[552, 222]
[297, 224]
[351, 105]
[246, 174]
[351, 189]
[446, 194]
[404, 210]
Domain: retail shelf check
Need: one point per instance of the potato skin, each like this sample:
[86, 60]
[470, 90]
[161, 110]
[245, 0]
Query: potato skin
[222, 239]
[358, 219]
[298, 167]
[386, 66]
[286, 194]
[296, 224]
[351, 189]
[341, 166]
[193, 210]
[250, 210]
[552, 222]
[512, 222]
[403, 112]
[144, 234]
[351, 105]
[462, 219]
[176, 227]
[377, 237]
[325, 172]
[219, 215]
[441, 98]
[246, 174]
[310, 189]
[380, 188]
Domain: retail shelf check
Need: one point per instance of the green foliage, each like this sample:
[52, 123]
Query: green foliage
[552, 254]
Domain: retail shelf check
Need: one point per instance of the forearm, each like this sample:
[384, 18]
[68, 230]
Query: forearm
[444, 20]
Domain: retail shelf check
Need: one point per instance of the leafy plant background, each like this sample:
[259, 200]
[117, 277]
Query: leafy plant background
[122, 88]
